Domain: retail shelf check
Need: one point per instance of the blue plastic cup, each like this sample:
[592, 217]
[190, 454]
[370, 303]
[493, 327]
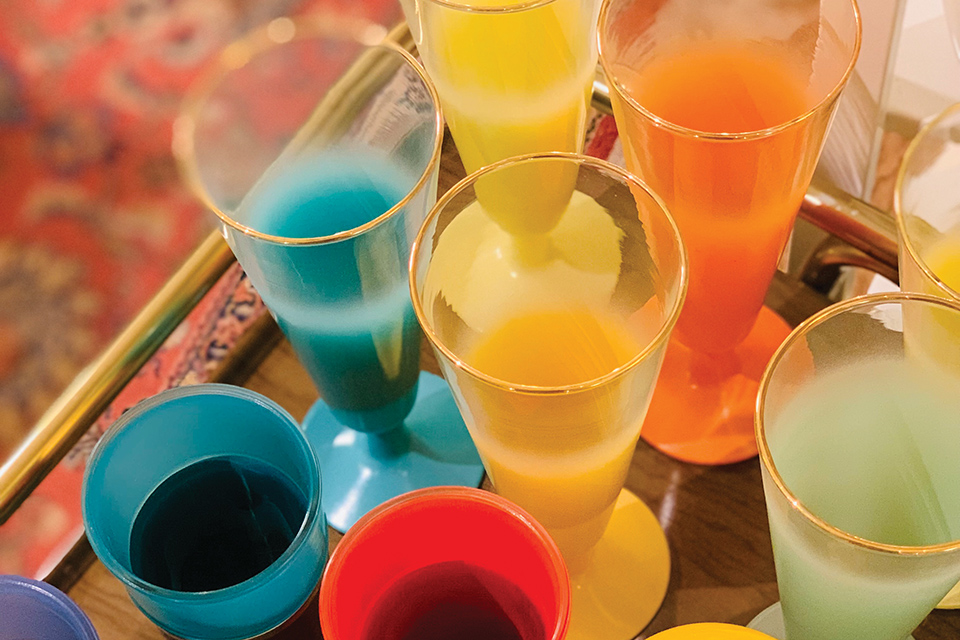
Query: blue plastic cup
[36, 610]
[168, 433]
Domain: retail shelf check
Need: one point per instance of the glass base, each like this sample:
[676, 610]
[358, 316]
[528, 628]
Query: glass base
[770, 622]
[702, 408]
[360, 470]
[622, 585]
[951, 600]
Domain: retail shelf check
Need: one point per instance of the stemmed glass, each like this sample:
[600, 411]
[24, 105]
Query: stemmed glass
[927, 206]
[514, 77]
[552, 343]
[722, 110]
[317, 146]
[858, 448]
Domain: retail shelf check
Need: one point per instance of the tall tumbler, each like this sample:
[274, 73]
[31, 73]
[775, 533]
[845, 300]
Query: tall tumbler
[723, 109]
[317, 145]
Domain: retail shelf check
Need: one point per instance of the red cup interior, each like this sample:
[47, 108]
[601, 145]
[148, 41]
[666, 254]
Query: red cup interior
[432, 526]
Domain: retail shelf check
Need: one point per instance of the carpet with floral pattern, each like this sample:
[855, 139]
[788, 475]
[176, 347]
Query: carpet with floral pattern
[94, 216]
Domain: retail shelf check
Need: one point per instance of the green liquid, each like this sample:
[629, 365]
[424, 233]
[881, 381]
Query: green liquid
[874, 450]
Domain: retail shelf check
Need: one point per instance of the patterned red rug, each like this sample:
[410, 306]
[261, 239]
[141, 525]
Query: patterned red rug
[94, 217]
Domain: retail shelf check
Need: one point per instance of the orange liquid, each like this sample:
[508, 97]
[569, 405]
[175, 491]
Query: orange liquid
[734, 200]
[553, 348]
[563, 457]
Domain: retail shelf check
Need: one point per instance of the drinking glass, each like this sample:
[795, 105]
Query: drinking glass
[37, 610]
[859, 452]
[243, 544]
[514, 77]
[927, 207]
[552, 344]
[442, 562]
[723, 109]
[317, 145]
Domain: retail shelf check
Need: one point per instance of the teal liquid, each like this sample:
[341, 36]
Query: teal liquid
[344, 306]
[873, 450]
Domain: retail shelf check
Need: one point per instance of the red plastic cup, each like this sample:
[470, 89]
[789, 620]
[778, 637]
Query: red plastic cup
[445, 559]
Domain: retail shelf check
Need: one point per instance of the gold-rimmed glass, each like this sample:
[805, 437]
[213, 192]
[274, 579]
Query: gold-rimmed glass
[552, 345]
[927, 207]
[858, 450]
[317, 144]
[723, 109]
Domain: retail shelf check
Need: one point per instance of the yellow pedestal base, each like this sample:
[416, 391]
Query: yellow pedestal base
[622, 584]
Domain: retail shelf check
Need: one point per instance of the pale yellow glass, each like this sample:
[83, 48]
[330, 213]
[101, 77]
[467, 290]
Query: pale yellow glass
[927, 206]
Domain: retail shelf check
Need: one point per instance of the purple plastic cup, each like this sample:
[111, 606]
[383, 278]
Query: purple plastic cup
[35, 610]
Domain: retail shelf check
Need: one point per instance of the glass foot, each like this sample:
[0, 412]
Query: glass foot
[702, 407]
[359, 471]
[622, 585]
[951, 600]
[770, 622]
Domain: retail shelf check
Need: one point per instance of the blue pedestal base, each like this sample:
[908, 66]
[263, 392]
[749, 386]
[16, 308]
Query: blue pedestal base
[360, 471]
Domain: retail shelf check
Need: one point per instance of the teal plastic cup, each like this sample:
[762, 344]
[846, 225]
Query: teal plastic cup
[168, 433]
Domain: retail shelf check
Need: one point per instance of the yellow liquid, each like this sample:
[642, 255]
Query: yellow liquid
[943, 258]
[563, 457]
[937, 332]
[513, 83]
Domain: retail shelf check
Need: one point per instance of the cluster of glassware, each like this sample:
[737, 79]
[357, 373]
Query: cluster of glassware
[548, 285]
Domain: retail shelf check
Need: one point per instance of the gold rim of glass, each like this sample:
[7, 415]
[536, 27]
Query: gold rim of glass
[707, 135]
[661, 336]
[240, 52]
[766, 457]
[898, 203]
[499, 8]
